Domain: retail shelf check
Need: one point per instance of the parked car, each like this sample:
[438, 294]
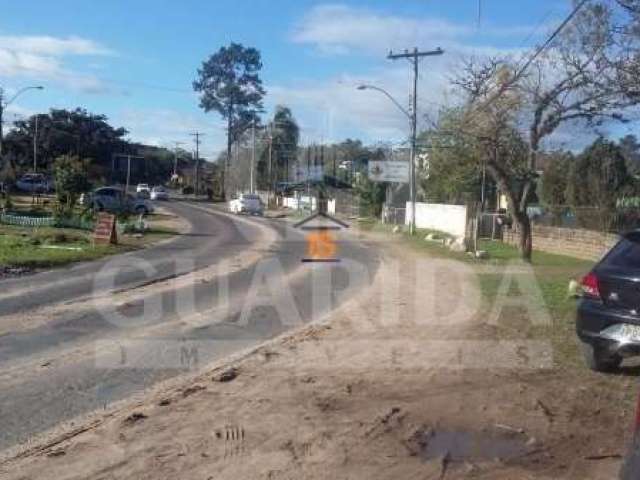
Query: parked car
[143, 187]
[608, 315]
[115, 200]
[247, 203]
[34, 183]
[159, 193]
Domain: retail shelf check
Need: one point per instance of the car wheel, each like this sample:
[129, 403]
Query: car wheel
[599, 360]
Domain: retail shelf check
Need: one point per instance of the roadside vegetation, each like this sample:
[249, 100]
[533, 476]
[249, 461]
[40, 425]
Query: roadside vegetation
[552, 275]
[35, 247]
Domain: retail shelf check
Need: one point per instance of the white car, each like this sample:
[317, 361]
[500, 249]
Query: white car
[143, 187]
[247, 203]
[159, 193]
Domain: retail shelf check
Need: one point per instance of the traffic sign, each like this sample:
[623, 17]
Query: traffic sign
[389, 171]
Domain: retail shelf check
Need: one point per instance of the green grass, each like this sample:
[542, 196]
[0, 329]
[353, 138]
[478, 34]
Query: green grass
[551, 274]
[48, 247]
[33, 251]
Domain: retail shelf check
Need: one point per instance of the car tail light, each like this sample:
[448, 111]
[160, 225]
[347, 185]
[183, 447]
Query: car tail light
[590, 286]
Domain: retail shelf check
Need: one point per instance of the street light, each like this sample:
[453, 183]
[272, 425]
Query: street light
[412, 121]
[5, 104]
[389, 96]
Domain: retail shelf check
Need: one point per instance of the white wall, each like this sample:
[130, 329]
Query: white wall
[451, 219]
[299, 202]
[331, 206]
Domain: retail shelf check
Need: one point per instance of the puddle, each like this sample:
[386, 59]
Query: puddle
[463, 445]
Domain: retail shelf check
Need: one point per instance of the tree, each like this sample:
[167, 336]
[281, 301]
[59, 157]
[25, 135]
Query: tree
[597, 181]
[371, 195]
[582, 77]
[70, 180]
[554, 183]
[455, 165]
[630, 148]
[283, 133]
[229, 84]
[63, 132]
[489, 121]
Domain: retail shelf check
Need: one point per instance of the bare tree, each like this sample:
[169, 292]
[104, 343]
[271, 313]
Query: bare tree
[587, 75]
[490, 118]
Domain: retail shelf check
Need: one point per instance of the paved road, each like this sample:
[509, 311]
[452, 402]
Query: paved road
[80, 359]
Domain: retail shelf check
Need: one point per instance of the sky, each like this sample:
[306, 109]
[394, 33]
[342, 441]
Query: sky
[135, 60]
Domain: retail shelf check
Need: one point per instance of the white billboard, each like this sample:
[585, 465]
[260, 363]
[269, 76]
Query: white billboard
[386, 171]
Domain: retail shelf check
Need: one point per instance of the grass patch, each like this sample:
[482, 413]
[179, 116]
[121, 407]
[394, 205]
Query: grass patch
[33, 252]
[551, 274]
[47, 247]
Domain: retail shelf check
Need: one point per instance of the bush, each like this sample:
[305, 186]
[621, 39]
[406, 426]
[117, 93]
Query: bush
[8, 203]
[71, 181]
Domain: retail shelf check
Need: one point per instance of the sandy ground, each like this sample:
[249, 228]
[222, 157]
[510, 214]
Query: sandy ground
[377, 390]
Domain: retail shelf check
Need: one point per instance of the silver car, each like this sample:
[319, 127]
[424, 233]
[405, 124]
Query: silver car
[114, 200]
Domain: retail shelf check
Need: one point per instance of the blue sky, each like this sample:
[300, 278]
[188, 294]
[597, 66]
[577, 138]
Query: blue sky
[134, 61]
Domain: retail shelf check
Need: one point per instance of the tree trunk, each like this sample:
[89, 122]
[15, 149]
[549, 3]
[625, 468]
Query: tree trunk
[518, 209]
[525, 243]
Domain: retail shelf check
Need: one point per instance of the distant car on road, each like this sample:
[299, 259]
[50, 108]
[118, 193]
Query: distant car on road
[247, 203]
[34, 183]
[608, 315]
[115, 200]
[159, 193]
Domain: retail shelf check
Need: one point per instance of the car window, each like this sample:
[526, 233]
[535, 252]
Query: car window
[626, 253]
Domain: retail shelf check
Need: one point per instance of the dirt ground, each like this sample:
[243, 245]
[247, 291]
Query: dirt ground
[380, 389]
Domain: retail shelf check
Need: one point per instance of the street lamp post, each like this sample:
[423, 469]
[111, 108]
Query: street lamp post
[412, 157]
[413, 57]
[3, 105]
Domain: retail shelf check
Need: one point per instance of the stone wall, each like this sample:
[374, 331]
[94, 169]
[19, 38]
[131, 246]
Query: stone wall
[579, 243]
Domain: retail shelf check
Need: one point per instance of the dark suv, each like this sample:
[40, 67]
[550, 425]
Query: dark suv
[608, 317]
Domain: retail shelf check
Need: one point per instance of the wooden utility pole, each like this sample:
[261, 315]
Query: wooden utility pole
[196, 137]
[414, 57]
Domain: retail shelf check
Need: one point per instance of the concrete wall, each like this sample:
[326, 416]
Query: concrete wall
[451, 219]
[302, 202]
[579, 243]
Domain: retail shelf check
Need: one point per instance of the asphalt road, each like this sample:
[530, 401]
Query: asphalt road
[80, 358]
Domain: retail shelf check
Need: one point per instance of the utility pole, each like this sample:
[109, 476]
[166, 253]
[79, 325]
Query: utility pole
[414, 57]
[270, 160]
[128, 157]
[196, 137]
[253, 157]
[35, 145]
[175, 158]
[1, 125]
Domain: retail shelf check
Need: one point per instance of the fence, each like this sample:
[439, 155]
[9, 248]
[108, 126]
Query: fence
[27, 221]
[575, 242]
[59, 222]
[490, 225]
[393, 215]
